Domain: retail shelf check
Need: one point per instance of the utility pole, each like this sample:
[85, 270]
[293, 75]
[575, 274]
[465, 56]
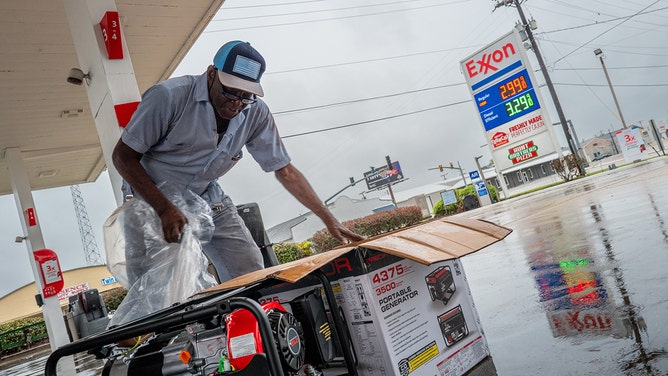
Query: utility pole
[548, 80]
[599, 53]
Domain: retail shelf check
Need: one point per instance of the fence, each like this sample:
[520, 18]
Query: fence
[23, 336]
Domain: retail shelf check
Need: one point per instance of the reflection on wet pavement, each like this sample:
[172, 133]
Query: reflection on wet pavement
[580, 286]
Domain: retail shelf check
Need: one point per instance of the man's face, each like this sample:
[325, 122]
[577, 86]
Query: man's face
[228, 102]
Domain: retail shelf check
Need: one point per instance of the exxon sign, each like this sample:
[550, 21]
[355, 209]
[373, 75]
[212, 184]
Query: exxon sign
[491, 60]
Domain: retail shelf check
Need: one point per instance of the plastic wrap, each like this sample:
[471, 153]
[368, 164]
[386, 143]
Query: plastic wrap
[157, 274]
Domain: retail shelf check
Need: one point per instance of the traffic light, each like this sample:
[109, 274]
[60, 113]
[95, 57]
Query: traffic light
[352, 180]
[451, 165]
[440, 167]
[389, 163]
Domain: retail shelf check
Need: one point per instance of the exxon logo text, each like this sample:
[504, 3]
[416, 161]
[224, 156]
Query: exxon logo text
[489, 62]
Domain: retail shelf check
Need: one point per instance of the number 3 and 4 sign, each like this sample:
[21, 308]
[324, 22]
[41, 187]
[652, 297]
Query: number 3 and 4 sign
[111, 35]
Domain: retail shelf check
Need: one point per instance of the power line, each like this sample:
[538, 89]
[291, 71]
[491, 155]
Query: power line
[363, 99]
[369, 60]
[374, 120]
[334, 18]
[612, 68]
[605, 32]
[616, 85]
[311, 11]
[598, 22]
[274, 4]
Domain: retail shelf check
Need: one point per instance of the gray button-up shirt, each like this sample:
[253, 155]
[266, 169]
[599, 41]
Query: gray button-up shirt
[174, 128]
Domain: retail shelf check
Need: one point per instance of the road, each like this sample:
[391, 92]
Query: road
[580, 286]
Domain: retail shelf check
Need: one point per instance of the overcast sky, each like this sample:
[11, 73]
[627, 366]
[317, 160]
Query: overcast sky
[385, 77]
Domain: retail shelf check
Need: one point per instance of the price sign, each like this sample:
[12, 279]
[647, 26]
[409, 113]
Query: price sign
[111, 35]
[511, 98]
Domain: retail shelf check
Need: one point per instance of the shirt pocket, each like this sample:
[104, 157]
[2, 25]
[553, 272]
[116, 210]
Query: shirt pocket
[179, 143]
[221, 165]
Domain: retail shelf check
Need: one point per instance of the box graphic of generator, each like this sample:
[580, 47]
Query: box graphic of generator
[441, 284]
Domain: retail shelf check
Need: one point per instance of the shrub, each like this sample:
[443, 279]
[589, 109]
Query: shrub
[112, 298]
[371, 225]
[286, 252]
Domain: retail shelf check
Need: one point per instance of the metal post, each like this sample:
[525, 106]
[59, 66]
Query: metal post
[548, 81]
[462, 172]
[614, 143]
[657, 136]
[599, 53]
[482, 176]
[53, 316]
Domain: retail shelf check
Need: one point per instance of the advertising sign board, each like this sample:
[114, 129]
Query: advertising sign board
[501, 82]
[481, 188]
[381, 176]
[632, 144]
[449, 197]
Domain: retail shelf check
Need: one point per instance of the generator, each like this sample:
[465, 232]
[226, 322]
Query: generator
[441, 284]
[231, 334]
[453, 326]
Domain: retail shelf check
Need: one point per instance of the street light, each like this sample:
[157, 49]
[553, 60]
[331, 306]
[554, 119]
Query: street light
[600, 55]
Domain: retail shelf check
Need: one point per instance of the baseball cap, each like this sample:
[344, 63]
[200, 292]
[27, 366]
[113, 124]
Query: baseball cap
[240, 67]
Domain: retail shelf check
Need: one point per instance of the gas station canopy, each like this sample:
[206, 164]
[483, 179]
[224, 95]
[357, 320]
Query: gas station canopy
[49, 119]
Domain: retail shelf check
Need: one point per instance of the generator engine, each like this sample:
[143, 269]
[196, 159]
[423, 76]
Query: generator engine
[231, 345]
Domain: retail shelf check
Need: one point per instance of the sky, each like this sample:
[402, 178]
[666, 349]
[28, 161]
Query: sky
[350, 82]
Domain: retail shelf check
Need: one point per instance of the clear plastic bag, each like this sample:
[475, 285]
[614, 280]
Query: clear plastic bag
[157, 274]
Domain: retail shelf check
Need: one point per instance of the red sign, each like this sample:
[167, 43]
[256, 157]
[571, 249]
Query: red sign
[52, 277]
[111, 35]
[499, 139]
[30, 217]
[523, 152]
[124, 112]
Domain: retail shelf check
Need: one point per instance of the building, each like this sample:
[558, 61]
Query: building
[22, 300]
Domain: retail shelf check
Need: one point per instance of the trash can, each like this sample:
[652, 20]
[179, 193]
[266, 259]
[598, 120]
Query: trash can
[470, 202]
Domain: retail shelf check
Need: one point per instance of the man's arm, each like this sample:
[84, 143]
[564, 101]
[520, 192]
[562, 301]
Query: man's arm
[127, 163]
[298, 186]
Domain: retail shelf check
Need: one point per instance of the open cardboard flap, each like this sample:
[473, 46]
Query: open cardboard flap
[438, 240]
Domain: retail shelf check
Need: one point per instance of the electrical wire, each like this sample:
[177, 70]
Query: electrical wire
[333, 18]
[375, 120]
[363, 99]
[605, 32]
[312, 11]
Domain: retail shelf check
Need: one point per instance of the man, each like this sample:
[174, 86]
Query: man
[190, 131]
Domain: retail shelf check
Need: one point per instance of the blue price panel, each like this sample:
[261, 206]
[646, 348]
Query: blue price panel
[506, 100]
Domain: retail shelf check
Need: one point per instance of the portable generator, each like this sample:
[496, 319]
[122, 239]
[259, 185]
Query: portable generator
[441, 284]
[453, 325]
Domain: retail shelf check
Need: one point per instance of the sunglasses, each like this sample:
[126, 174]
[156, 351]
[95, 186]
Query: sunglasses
[233, 97]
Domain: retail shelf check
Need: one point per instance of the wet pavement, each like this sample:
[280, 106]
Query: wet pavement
[579, 288]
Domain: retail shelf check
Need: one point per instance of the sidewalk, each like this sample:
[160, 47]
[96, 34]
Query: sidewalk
[24, 356]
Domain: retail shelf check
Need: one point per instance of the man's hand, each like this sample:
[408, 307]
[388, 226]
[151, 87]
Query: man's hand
[127, 163]
[298, 186]
[343, 234]
[173, 222]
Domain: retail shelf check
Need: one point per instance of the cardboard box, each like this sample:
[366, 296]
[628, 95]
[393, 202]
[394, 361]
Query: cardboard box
[404, 296]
